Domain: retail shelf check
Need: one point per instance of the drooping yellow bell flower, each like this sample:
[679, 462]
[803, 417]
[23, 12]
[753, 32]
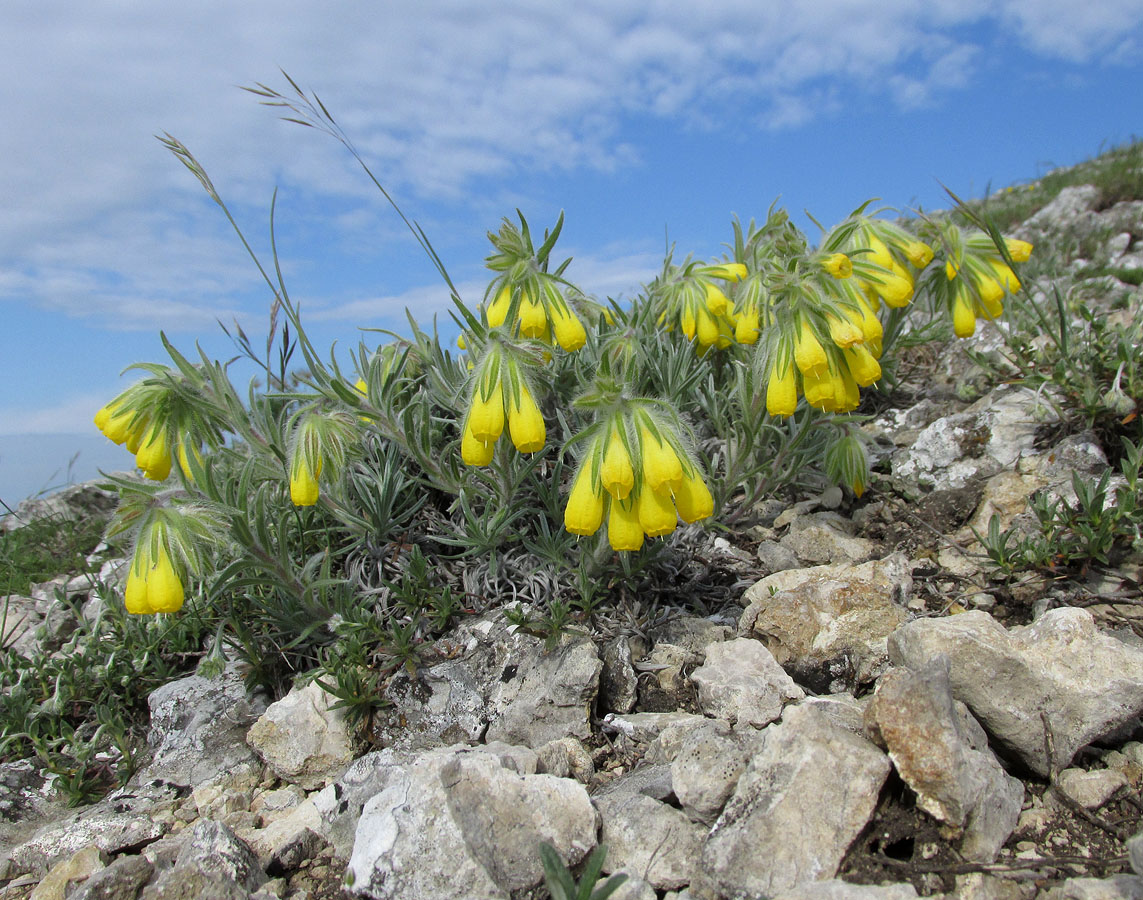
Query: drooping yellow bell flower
[526, 423]
[862, 366]
[964, 318]
[895, 287]
[474, 451]
[844, 332]
[693, 499]
[567, 328]
[153, 456]
[717, 302]
[918, 253]
[782, 389]
[498, 309]
[584, 511]
[623, 529]
[809, 355]
[617, 474]
[656, 512]
[838, 265]
[533, 319]
[153, 586]
[486, 414]
[728, 271]
[1020, 251]
[661, 465]
[304, 487]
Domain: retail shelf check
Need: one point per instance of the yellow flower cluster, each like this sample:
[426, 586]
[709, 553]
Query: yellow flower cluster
[500, 395]
[145, 436]
[542, 312]
[980, 278]
[702, 308]
[637, 473]
[828, 378]
[882, 253]
[153, 584]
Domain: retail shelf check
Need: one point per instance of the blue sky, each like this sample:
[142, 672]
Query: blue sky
[641, 120]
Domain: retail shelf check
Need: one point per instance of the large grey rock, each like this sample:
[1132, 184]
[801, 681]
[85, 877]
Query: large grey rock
[987, 438]
[707, 758]
[827, 625]
[1060, 668]
[215, 849]
[1073, 207]
[78, 502]
[122, 880]
[802, 800]
[339, 805]
[198, 727]
[302, 738]
[742, 682]
[826, 538]
[121, 821]
[503, 685]
[618, 682]
[457, 824]
[649, 838]
[942, 754]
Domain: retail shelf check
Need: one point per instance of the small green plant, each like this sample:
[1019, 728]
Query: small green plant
[44, 548]
[563, 886]
[1101, 527]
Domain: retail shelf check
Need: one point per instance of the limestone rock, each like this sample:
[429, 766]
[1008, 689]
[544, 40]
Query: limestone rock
[457, 824]
[122, 880]
[302, 738]
[648, 838]
[1060, 668]
[742, 682]
[198, 727]
[812, 779]
[707, 759]
[943, 756]
[618, 683]
[1117, 887]
[836, 889]
[80, 865]
[827, 625]
[1091, 789]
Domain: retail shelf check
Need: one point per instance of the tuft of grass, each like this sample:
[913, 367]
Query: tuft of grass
[1116, 172]
[45, 548]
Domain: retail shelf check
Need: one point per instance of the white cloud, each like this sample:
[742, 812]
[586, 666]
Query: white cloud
[101, 222]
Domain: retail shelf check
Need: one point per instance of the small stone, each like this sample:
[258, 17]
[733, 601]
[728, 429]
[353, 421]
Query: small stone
[80, 865]
[1091, 789]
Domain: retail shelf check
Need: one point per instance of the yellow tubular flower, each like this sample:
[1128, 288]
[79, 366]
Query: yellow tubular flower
[584, 511]
[568, 329]
[153, 586]
[862, 366]
[623, 529]
[843, 332]
[184, 458]
[838, 265]
[136, 434]
[850, 397]
[747, 326]
[486, 417]
[164, 590]
[895, 287]
[871, 328]
[656, 512]
[533, 319]
[304, 488]
[707, 327]
[1020, 251]
[687, 322]
[617, 475]
[717, 302]
[115, 424]
[818, 389]
[809, 355]
[918, 253]
[964, 319]
[474, 451]
[661, 465]
[879, 253]
[526, 423]
[153, 457]
[693, 499]
[782, 390]
[498, 309]
[1005, 275]
[729, 271]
